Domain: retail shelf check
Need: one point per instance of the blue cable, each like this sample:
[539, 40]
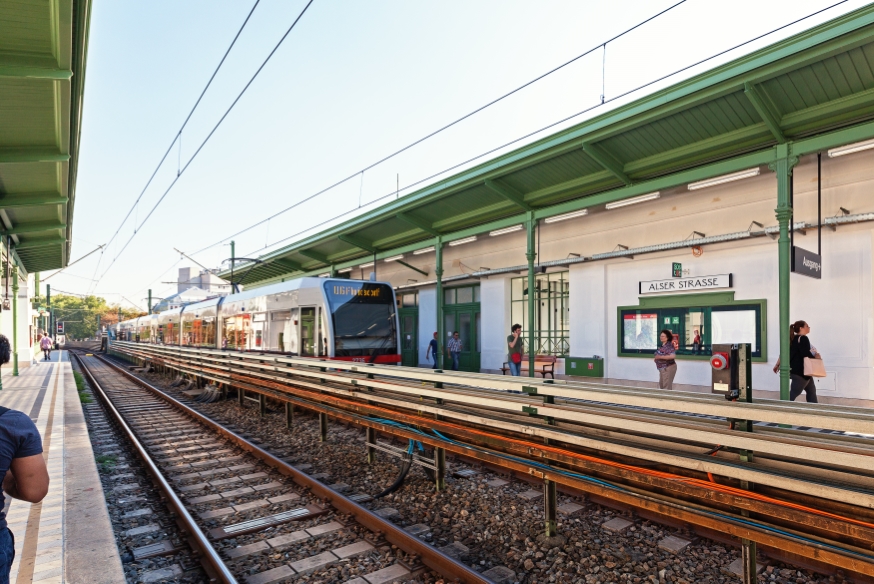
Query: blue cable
[617, 487]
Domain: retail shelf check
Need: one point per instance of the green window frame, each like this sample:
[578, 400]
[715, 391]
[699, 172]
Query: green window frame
[712, 314]
[551, 312]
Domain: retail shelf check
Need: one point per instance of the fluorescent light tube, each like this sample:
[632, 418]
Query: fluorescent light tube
[470, 239]
[566, 216]
[726, 178]
[634, 200]
[344, 271]
[505, 230]
[367, 265]
[395, 258]
[325, 275]
[851, 148]
[423, 250]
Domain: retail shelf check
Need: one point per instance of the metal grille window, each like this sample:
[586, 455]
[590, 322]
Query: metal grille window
[551, 312]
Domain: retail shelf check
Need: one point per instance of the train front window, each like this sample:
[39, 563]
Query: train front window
[363, 318]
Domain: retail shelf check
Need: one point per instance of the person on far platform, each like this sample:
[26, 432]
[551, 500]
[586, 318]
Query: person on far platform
[665, 362]
[453, 347]
[432, 350]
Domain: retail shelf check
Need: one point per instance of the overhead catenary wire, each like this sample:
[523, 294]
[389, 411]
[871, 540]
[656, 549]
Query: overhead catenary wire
[529, 134]
[447, 126]
[178, 136]
[211, 133]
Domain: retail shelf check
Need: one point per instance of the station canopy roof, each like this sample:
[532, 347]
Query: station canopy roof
[802, 95]
[42, 74]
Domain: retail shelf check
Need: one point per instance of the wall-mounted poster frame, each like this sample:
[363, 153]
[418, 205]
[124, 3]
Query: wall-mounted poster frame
[716, 316]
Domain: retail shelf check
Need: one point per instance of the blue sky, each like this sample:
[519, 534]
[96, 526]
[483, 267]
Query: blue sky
[354, 81]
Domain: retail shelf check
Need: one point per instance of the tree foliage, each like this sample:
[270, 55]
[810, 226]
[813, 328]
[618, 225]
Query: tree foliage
[83, 316]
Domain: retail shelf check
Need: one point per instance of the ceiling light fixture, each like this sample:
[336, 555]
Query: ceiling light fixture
[344, 271]
[725, 178]
[634, 200]
[566, 216]
[505, 230]
[470, 239]
[395, 258]
[424, 250]
[367, 265]
[325, 275]
[851, 148]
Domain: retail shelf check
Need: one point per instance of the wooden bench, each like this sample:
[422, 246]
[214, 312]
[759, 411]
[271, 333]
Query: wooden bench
[543, 364]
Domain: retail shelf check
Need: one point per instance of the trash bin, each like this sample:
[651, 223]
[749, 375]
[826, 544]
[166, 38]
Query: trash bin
[584, 366]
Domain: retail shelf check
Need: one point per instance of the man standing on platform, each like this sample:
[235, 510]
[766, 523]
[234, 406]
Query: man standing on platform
[24, 474]
[453, 347]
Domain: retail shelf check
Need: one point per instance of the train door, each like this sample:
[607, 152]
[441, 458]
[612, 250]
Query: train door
[258, 333]
[308, 333]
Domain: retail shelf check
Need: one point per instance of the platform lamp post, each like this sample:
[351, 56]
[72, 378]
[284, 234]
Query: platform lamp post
[149, 305]
[438, 271]
[531, 255]
[783, 168]
[15, 321]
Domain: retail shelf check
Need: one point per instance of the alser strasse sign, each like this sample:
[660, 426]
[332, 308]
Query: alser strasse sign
[690, 284]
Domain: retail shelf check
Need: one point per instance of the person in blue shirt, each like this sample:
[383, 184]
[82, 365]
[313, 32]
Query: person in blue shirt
[432, 350]
[24, 473]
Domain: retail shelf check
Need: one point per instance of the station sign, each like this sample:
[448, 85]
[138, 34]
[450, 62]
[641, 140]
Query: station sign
[806, 263]
[688, 284]
[677, 270]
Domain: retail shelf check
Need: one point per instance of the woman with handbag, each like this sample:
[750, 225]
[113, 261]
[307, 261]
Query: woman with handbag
[514, 341]
[801, 374]
[664, 360]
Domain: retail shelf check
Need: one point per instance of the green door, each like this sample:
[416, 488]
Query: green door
[409, 318]
[673, 320]
[464, 318]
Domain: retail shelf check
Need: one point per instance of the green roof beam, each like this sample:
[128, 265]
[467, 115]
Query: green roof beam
[509, 194]
[40, 243]
[35, 72]
[607, 161]
[34, 227]
[8, 201]
[760, 100]
[17, 156]
[357, 242]
[414, 268]
[406, 218]
[314, 255]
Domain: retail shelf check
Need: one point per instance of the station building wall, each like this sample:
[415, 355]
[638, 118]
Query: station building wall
[839, 307]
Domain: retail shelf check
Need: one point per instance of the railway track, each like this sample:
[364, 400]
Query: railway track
[249, 516]
[805, 497]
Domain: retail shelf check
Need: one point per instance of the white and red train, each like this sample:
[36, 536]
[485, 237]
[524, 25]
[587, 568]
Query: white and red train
[350, 320]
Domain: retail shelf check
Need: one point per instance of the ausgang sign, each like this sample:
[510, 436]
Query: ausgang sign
[686, 284]
[806, 263]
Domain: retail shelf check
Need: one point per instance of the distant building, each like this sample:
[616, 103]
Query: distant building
[205, 280]
[187, 296]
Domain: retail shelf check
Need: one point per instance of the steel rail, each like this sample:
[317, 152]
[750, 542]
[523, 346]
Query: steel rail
[850, 558]
[430, 556]
[225, 374]
[209, 557]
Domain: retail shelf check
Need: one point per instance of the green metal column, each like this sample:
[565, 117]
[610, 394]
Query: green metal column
[438, 270]
[48, 309]
[36, 299]
[783, 168]
[531, 254]
[149, 305]
[14, 320]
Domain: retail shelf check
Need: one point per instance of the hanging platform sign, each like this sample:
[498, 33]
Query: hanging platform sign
[686, 284]
[806, 263]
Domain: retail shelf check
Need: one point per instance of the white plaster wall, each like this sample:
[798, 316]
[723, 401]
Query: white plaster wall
[427, 321]
[588, 315]
[838, 309]
[495, 311]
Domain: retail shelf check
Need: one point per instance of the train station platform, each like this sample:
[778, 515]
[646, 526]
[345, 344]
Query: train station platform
[67, 537]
